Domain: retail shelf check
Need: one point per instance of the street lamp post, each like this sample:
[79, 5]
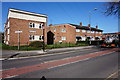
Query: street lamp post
[90, 21]
[18, 38]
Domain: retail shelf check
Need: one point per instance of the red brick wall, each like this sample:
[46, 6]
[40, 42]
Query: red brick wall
[22, 25]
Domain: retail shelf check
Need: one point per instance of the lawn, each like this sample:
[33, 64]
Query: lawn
[27, 48]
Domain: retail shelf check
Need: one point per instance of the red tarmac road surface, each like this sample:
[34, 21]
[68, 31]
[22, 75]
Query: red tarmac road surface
[17, 71]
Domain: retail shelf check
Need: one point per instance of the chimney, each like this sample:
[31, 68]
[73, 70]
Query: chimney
[80, 23]
[50, 24]
[88, 25]
[96, 26]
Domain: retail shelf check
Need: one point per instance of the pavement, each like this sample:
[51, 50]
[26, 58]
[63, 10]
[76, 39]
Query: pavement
[16, 54]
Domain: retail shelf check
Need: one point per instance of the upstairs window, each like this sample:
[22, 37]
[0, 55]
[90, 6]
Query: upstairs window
[92, 31]
[54, 29]
[83, 30]
[88, 31]
[96, 32]
[31, 25]
[40, 26]
[77, 30]
[36, 25]
[100, 32]
[63, 30]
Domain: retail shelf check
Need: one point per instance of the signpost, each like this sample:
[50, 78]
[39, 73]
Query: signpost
[18, 38]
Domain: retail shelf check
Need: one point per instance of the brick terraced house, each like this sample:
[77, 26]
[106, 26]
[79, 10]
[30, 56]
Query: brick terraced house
[71, 33]
[29, 24]
[114, 36]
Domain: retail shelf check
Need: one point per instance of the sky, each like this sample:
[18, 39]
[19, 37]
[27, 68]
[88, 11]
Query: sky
[67, 12]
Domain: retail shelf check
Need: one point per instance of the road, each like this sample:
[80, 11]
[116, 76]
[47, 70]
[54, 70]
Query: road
[96, 66]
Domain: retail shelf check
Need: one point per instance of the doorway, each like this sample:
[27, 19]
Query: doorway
[50, 38]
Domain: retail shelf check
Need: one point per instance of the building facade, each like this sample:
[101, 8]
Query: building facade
[24, 27]
[71, 33]
[111, 36]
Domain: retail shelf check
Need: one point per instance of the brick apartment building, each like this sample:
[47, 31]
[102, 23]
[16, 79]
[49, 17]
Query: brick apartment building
[30, 24]
[70, 33]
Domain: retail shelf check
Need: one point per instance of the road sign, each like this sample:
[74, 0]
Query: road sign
[18, 31]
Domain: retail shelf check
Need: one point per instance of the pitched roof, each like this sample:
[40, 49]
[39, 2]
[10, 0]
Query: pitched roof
[86, 27]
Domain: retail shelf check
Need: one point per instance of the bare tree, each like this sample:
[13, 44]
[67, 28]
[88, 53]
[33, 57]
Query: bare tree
[113, 8]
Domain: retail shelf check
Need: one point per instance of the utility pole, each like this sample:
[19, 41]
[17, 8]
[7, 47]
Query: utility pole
[90, 22]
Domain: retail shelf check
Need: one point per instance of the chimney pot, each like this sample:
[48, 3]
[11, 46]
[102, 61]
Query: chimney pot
[96, 26]
[50, 25]
[80, 23]
[88, 25]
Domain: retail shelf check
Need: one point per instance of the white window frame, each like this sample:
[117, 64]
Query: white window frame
[97, 32]
[8, 25]
[92, 31]
[63, 30]
[100, 32]
[36, 25]
[63, 38]
[32, 37]
[8, 37]
[41, 37]
[31, 25]
[77, 30]
[83, 31]
[8, 31]
[41, 26]
[54, 29]
[88, 31]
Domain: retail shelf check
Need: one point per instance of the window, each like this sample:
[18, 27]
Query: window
[100, 32]
[31, 25]
[36, 25]
[8, 24]
[88, 31]
[8, 37]
[83, 31]
[96, 32]
[8, 31]
[54, 29]
[77, 30]
[41, 37]
[83, 38]
[63, 30]
[92, 31]
[63, 38]
[31, 37]
[40, 26]
[78, 38]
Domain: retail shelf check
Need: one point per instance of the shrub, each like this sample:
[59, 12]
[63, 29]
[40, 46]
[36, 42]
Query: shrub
[6, 47]
[36, 44]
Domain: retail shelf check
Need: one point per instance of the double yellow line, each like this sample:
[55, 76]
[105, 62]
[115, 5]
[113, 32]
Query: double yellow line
[112, 75]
